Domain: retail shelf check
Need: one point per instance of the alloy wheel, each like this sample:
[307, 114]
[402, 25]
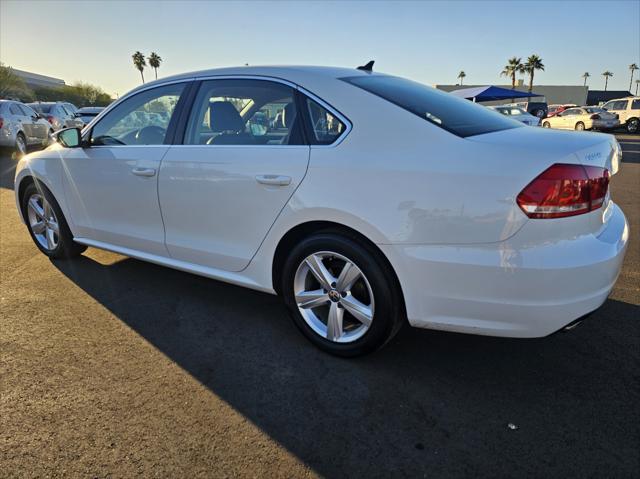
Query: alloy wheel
[43, 222]
[334, 297]
[21, 145]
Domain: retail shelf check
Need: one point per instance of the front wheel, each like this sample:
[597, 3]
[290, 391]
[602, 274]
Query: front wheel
[47, 225]
[341, 295]
[579, 126]
[632, 125]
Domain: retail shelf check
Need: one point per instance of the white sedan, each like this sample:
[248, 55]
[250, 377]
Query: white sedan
[582, 118]
[517, 114]
[365, 200]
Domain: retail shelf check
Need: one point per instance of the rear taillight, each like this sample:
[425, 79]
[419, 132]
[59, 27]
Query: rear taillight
[1, 122]
[565, 190]
[595, 117]
[50, 119]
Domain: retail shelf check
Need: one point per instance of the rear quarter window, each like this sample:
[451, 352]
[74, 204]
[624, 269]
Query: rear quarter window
[456, 115]
[635, 104]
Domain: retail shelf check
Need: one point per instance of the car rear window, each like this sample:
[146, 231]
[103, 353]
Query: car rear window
[40, 108]
[456, 115]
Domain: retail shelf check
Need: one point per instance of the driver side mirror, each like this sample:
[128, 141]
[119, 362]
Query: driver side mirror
[69, 137]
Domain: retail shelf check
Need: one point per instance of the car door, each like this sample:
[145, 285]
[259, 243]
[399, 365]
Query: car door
[22, 121]
[39, 130]
[242, 157]
[111, 185]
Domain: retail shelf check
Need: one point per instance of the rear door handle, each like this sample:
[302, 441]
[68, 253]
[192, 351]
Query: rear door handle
[274, 180]
[143, 171]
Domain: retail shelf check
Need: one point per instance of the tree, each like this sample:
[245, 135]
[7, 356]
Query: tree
[154, 62]
[461, 76]
[606, 76]
[534, 62]
[514, 66]
[585, 75]
[633, 67]
[139, 63]
[11, 85]
[637, 83]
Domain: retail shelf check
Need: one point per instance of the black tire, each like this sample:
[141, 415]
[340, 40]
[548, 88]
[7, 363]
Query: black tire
[579, 126]
[66, 247]
[20, 148]
[388, 314]
[632, 125]
[546, 124]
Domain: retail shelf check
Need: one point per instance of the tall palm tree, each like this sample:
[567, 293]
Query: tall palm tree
[461, 76]
[514, 66]
[637, 84]
[534, 62]
[154, 62]
[633, 67]
[585, 75]
[139, 63]
[606, 76]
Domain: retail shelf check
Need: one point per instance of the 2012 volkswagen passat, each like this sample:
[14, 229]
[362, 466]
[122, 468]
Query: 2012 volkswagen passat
[363, 199]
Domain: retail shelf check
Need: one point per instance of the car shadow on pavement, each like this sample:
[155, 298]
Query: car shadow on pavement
[428, 403]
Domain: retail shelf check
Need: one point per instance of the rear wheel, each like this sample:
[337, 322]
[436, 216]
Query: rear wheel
[546, 124]
[632, 125]
[20, 148]
[47, 225]
[579, 126]
[341, 295]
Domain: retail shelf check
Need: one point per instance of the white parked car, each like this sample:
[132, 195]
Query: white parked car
[582, 118]
[627, 110]
[377, 200]
[517, 114]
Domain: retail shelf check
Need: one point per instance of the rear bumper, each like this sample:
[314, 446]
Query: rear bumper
[513, 288]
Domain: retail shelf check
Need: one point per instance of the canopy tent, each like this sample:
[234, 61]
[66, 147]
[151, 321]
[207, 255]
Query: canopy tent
[491, 93]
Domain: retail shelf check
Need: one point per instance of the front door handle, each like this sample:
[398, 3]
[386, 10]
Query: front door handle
[274, 180]
[143, 171]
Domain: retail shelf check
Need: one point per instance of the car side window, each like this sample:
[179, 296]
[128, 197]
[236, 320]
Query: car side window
[142, 119]
[27, 111]
[635, 104]
[244, 112]
[325, 127]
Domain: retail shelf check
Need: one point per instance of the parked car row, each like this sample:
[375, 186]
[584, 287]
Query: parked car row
[622, 112]
[27, 125]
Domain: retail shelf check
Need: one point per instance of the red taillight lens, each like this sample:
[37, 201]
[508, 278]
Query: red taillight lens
[565, 190]
[50, 119]
[595, 117]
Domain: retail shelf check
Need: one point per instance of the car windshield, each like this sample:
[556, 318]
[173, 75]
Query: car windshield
[458, 116]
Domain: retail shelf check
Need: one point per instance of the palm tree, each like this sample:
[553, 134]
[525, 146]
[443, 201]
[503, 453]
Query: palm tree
[606, 76]
[633, 67]
[534, 62]
[585, 75]
[637, 84]
[514, 65]
[139, 63]
[461, 76]
[154, 62]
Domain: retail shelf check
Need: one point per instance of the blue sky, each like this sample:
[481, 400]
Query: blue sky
[428, 41]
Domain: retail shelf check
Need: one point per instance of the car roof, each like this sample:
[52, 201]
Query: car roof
[293, 73]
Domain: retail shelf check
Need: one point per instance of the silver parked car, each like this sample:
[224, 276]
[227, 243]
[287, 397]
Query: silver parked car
[88, 113]
[21, 127]
[57, 114]
[517, 113]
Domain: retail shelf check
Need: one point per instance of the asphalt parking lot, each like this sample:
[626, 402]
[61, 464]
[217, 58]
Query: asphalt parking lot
[112, 367]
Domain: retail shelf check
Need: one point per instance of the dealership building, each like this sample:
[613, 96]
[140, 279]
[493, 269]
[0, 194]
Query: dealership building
[35, 80]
